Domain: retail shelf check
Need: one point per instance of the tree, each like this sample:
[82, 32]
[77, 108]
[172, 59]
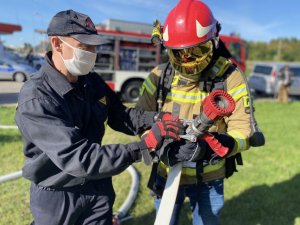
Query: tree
[281, 49]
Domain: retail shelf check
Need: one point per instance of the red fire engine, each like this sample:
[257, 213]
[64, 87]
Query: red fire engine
[6, 28]
[126, 61]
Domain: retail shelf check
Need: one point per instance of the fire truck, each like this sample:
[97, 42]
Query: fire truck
[126, 60]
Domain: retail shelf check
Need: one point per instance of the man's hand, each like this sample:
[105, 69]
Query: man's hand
[183, 151]
[161, 130]
[164, 116]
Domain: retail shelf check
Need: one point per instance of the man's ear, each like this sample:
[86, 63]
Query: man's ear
[56, 43]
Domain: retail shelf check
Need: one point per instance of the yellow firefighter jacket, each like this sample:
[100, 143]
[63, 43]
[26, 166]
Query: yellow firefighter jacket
[185, 98]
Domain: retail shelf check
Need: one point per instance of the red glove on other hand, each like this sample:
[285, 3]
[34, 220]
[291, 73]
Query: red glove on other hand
[163, 129]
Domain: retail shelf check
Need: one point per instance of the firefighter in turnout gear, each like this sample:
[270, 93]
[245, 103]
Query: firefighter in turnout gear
[198, 63]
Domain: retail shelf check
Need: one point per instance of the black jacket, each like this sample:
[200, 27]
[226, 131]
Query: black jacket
[62, 125]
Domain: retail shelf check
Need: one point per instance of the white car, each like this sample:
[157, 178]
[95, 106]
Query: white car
[264, 78]
[10, 70]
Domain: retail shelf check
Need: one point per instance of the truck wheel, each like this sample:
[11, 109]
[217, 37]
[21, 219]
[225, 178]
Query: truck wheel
[131, 91]
[19, 77]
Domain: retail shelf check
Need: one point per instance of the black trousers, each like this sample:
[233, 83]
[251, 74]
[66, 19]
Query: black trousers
[88, 204]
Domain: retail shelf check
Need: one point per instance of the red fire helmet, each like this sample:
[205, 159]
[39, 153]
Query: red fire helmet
[188, 24]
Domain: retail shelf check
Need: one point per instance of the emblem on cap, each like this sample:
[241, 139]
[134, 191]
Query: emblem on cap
[89, 24]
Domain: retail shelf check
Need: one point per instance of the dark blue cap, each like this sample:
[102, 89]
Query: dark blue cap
[76, 25]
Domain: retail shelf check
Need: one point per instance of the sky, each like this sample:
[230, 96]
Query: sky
[253, 20]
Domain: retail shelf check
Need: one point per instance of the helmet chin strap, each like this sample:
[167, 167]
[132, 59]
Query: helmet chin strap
[216, 43]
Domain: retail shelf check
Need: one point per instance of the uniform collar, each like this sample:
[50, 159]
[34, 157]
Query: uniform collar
[188, 80]
[58, 81]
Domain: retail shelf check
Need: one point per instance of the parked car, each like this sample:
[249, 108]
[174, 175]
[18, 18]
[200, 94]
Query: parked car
[12, 56]
[295, 86]
[37, 61]
[10, 70]
[264, 78]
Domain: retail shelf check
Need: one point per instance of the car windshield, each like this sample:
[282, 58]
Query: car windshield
[10, 62]
[266, 70]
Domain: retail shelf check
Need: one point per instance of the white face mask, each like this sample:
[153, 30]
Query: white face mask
[82, 61]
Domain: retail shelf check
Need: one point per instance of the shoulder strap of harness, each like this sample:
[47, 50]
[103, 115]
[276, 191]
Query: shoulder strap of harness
[215, 76]
[164, 85]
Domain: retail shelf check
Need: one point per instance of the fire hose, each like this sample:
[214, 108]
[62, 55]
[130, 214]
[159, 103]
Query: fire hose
[122, 213]
[216, 105]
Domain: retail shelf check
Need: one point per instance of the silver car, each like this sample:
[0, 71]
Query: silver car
[295, 86]
[10, 70]
[264, 78]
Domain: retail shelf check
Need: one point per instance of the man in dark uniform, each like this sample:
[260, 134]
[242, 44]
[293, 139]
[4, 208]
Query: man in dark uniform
[62, 112]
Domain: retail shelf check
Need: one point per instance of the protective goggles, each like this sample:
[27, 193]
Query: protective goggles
[193, 60]
[196, 53]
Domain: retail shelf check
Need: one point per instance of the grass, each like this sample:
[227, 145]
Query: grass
[265, 191]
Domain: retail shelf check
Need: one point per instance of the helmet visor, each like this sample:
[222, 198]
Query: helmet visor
[191, 60]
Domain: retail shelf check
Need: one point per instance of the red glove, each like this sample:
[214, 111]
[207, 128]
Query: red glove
[163, 129]
[163, 116]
